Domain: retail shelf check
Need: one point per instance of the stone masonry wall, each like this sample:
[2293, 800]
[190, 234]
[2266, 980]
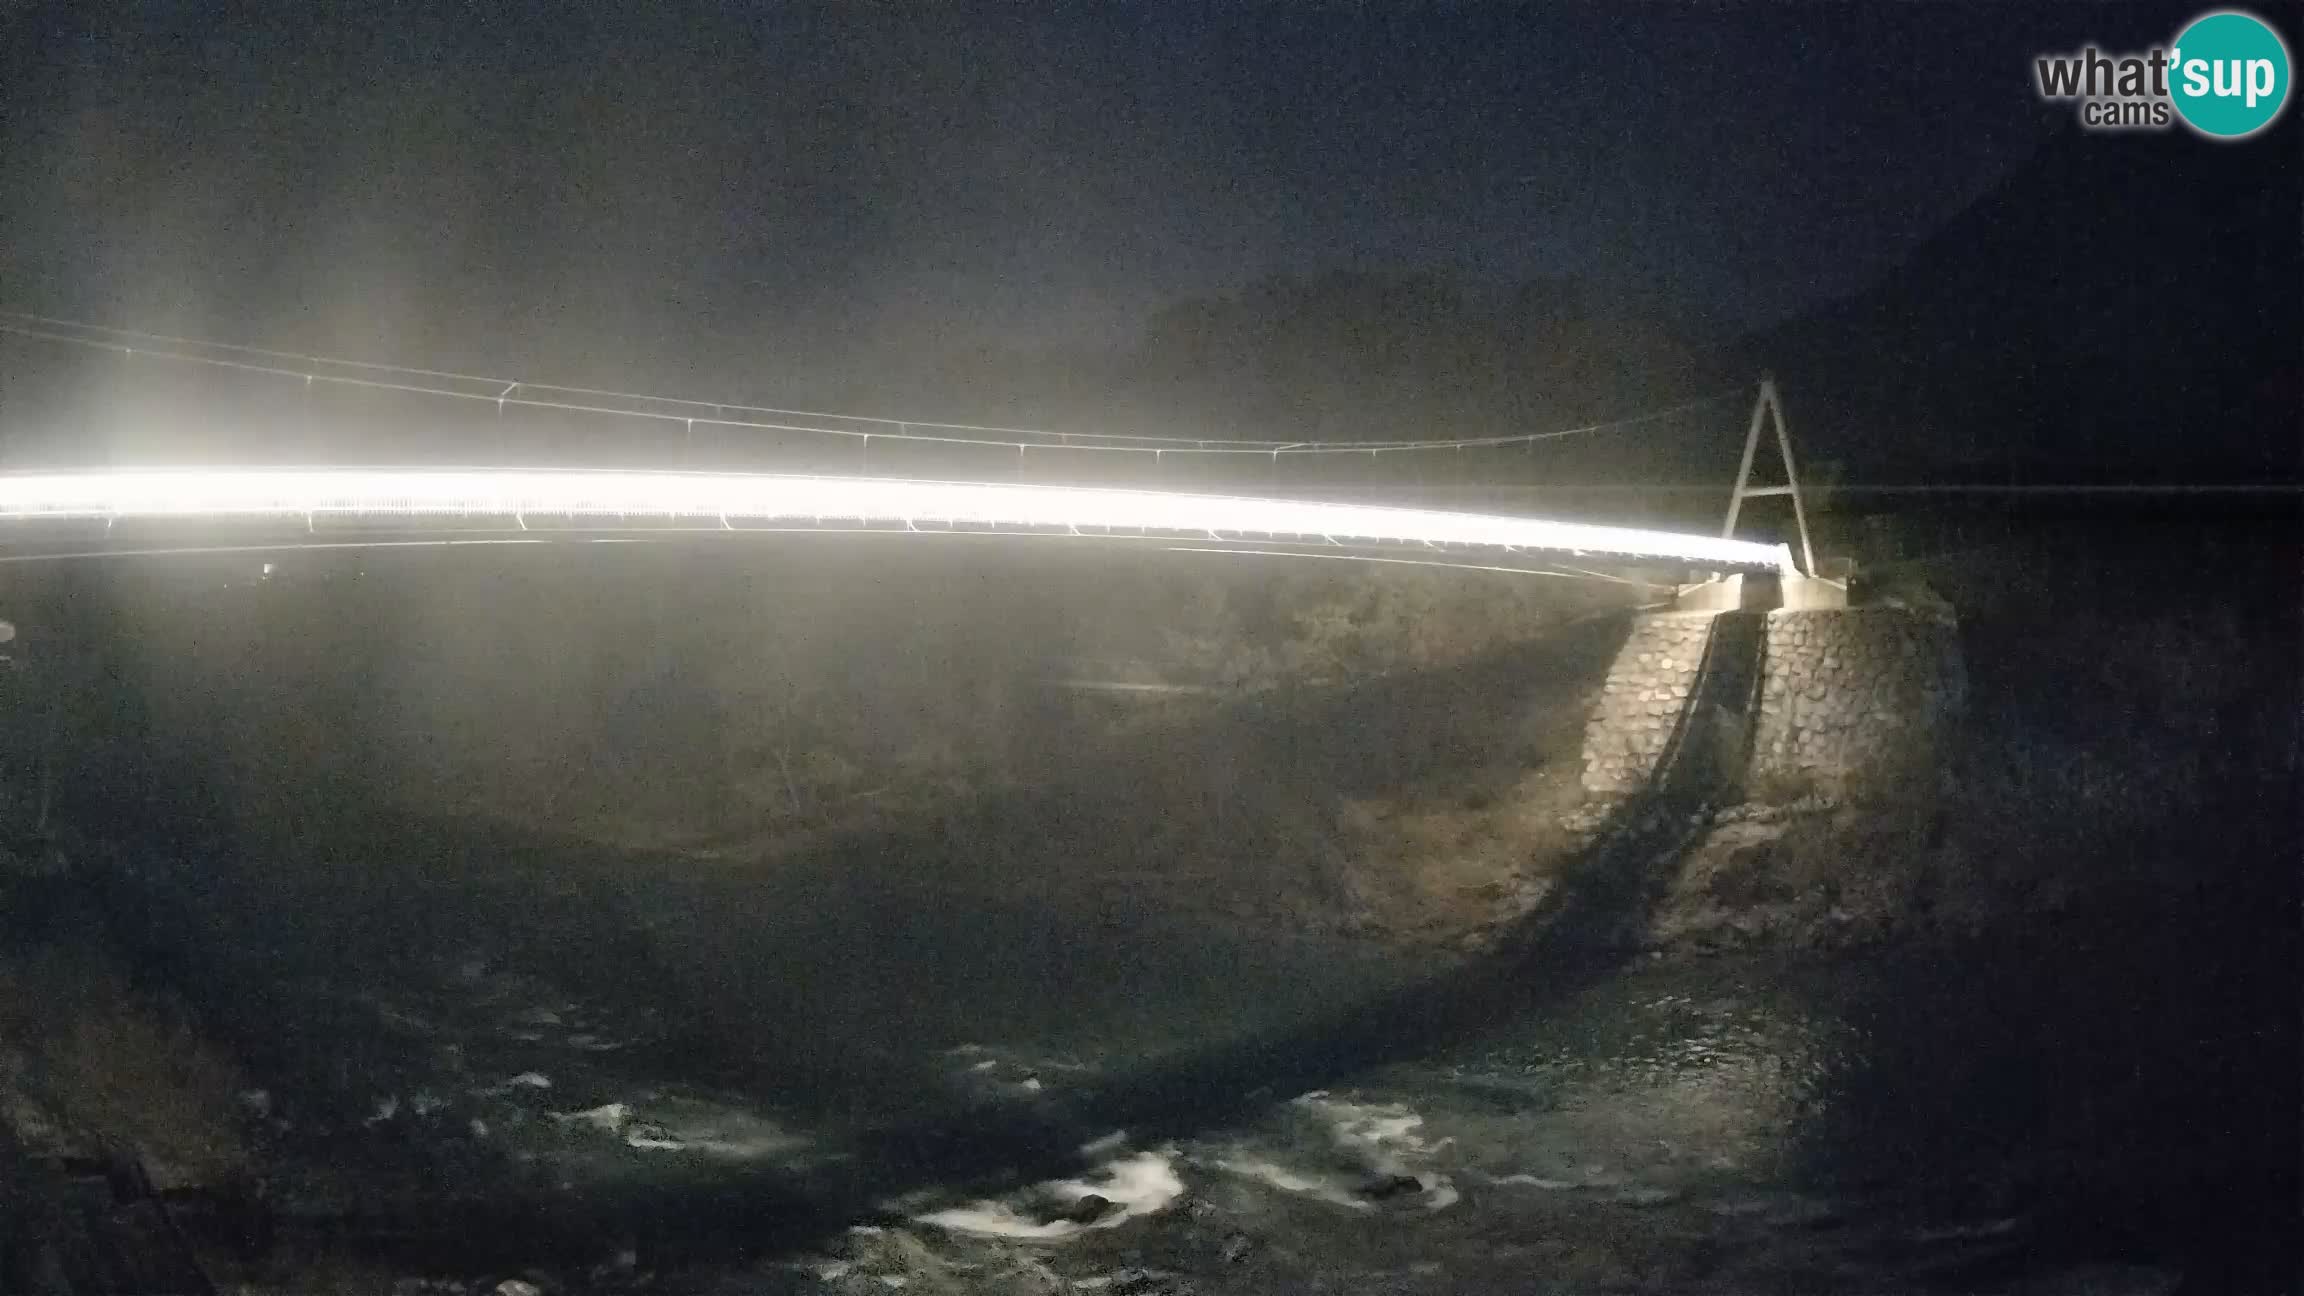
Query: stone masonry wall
[1856, 698]
[1848, 698]
[1641, 703]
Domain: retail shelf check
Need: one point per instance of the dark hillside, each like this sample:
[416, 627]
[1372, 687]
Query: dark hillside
[2002, 346]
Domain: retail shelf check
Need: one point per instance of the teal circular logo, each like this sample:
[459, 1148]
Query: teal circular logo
[2228, 74]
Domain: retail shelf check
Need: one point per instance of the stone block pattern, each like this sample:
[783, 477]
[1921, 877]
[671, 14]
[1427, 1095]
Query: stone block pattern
[1855, 698]
[1848, 698]
[1646, 690]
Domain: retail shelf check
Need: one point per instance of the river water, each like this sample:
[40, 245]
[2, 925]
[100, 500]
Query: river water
[704, 1082]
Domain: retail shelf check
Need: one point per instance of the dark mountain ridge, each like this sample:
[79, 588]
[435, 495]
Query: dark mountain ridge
[2123, 308]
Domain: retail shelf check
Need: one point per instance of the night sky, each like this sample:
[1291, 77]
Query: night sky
[979, 212]
[430, 180]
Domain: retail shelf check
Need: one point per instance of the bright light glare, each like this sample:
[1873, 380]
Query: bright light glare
[753, 499]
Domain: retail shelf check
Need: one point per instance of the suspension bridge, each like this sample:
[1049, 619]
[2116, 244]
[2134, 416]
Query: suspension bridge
[259, 453]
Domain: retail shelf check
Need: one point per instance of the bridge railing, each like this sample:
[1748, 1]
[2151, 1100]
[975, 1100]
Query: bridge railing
[74, 395]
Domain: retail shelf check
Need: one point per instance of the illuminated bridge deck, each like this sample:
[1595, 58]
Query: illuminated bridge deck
[46, 513]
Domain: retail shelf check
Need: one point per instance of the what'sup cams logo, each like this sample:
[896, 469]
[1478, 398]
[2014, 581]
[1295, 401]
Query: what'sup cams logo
[2226, 76]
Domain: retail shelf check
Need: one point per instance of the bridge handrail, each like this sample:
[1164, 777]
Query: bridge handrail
[45, 328]
[301, 494]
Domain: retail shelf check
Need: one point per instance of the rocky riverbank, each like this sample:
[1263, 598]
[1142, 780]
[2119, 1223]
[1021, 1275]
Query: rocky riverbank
[1299, 948]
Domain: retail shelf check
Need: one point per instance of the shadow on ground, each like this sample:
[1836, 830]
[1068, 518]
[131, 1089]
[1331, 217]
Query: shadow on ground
[377, 891]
